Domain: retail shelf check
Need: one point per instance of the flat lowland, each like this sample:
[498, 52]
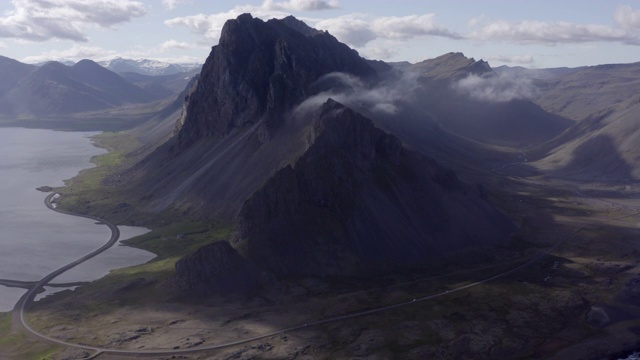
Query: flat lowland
[567, 286]
[577, 300]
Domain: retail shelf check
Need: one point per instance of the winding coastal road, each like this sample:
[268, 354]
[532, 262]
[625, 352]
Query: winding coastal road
[29, 296]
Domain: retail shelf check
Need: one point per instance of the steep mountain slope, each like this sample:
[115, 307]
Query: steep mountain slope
[465, 97]
[257, 72]
[232, 135]
[56, 89]
[11, 72]
[603, 144]
[591, 90]
[426, 106]
[315, 187]
[356, 201]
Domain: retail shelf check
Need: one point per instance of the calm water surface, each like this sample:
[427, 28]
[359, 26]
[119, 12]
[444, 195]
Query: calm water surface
[34, 240]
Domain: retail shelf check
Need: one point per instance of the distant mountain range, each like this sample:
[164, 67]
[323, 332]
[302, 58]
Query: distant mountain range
[55, 89]
[147, 67]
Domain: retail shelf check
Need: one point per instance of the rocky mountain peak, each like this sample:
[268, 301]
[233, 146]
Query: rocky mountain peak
[300, 26]
[342, 128]
[342, 207]
[258, 72]
[451, 65]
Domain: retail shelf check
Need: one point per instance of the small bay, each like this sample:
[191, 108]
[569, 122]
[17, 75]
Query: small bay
[34, 240]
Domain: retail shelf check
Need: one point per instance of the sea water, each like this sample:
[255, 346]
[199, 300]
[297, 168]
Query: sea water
[34, 240]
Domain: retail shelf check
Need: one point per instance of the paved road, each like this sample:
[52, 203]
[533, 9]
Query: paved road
[28, 298]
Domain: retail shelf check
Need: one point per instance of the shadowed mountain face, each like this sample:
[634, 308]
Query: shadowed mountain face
[232, 135]
[12, 71]
[316, 189]
[259, 71]
[465, 97]
[358, 201]
[55, 89]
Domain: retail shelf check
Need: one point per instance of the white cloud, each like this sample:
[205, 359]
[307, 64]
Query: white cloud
[627, 17]
[353, 29]
[515, 59]
[551, 33]
[210, 25]
[496, 88]
[351, 91]
[172, 4]
[407, 27]
[381, 51]
[41, 20]
[174, 44]
[74, 53]
[359, 29]
[475, 21]
[2, 45]
[300, 5]
[78, 52]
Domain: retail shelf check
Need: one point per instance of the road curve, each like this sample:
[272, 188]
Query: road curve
[28, 297]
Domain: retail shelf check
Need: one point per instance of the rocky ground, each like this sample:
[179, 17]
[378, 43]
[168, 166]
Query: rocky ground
[580, 301]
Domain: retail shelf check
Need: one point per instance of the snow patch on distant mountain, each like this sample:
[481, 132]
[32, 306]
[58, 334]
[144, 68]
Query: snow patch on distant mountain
[146, 66]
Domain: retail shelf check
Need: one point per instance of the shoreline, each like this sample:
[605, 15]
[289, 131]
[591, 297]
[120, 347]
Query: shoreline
[29, 296]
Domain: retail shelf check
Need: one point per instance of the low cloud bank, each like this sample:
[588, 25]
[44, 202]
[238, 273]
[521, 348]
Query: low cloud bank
[351, 91]
[496, 88]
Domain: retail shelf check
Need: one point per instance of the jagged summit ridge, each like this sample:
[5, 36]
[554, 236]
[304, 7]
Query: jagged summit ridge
[258, 71]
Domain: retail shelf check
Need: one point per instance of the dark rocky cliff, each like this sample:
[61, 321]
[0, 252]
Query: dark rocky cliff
[357, 202]
[233, 133]
[257, 72]
[216, 268]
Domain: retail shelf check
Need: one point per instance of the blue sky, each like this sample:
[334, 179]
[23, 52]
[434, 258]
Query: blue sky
[535, 34]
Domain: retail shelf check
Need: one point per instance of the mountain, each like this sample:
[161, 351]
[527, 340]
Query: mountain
[467, 98]
[228, 140]
[11, 72]
[147, 66]
[603, 144]
[55, 89]
[590, 90]
[456, 110]
[357, 202]
[451, 65]
[314, 187]
[257, 72]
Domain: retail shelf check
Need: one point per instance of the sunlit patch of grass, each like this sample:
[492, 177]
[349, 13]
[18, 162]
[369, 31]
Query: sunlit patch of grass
[179, 239]
[5, 326]
[18, 344]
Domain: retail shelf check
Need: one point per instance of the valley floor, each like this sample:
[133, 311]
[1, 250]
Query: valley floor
[567, 287]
